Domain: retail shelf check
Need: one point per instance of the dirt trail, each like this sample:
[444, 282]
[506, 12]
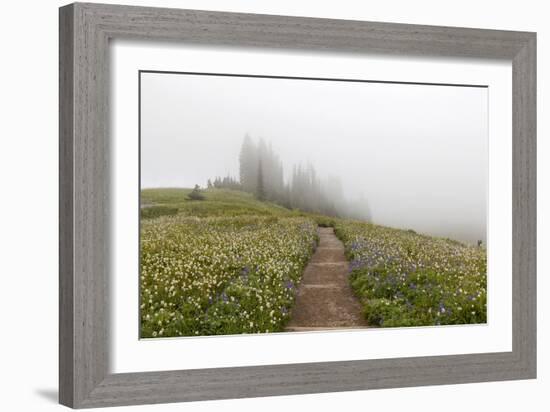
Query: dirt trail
[325, 299]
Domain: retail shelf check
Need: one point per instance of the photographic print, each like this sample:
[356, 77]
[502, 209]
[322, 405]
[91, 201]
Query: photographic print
[285, 204]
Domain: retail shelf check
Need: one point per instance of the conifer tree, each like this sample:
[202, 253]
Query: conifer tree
[248, 165]
[260, 188]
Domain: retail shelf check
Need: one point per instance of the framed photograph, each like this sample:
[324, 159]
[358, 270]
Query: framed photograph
[257, 205]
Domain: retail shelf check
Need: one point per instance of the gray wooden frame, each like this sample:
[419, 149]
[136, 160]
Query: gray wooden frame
[85, 30]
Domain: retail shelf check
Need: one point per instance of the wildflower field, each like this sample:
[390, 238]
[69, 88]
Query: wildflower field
[407, 279]
[220, 275]
[231, 264]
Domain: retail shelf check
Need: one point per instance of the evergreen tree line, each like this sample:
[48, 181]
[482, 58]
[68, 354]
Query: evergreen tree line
[227, 182]
[261, 173]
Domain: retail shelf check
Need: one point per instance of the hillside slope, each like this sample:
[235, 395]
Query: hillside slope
[231, 264]
[218, 202]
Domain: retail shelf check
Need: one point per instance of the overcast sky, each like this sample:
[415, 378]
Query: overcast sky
[418, 153]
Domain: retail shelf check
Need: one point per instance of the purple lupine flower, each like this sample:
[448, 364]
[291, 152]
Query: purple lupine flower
[244, 274]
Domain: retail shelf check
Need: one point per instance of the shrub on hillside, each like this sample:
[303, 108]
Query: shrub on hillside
[196, 194]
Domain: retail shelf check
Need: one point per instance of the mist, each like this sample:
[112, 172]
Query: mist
[417, 155]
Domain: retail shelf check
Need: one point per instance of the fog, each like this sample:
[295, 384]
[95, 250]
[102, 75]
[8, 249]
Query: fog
[417, 153]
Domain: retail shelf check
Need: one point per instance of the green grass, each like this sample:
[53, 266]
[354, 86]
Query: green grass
[152, 212]
[206, 262]
[406, 279]
[227, 264]
[218, 202]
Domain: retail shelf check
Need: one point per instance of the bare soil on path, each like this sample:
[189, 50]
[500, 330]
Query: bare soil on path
[324, 299]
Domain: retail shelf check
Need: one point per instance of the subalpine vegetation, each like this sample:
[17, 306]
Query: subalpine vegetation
[228, 258]
[261, 173]
[407, 279]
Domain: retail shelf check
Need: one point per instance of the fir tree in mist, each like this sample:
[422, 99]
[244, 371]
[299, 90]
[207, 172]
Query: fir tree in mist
[248, 165]
[226, 182]
[261, 173]
[260, 189]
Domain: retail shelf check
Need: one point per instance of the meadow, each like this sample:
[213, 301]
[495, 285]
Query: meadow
[232, 270]
[407, 279]
[231, 263]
